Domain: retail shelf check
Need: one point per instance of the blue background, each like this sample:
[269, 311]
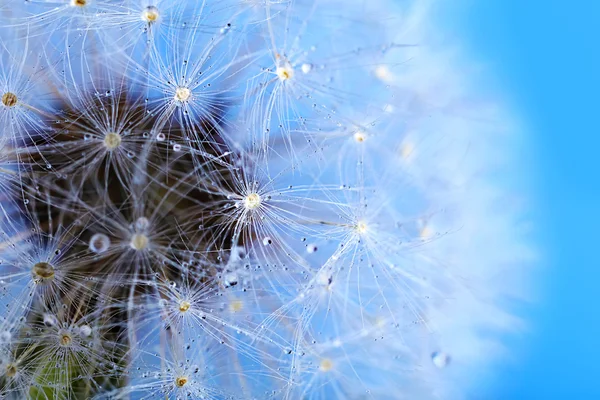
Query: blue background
[546, 56]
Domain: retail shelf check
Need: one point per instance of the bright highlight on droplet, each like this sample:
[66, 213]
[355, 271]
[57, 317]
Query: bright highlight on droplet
[440, 360]
[99, 243]
[9, 99]
[182, 94]
[85, 330]
[252, 201]
[112, 140]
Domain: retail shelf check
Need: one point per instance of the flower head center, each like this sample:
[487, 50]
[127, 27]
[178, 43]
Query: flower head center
[112, 140]
[184, 306]
[139, 241]
[42, 271]
[9, 99]
[252, 201]
[150, 14]
[65, 339]
[326, 365]
[182, 94]
[181, 381]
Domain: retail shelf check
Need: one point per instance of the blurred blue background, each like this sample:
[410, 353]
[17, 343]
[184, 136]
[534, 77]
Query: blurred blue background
[545, 55]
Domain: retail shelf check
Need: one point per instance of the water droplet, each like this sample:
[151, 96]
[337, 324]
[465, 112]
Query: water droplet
[440, 359]
[99, 243]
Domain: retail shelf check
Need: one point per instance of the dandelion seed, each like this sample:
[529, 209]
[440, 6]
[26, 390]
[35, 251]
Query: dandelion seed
[11, 370]
[361, 227]
[42, 271]
[9, 99]
[326, 365]
[65, 339]
[182, 94]
[112, 140]
[184, 306]
[139, 241]
[150, 14]
[236, 306]
[79, 3]
[252, 201]
[181, 381]
[360, 136]
[284, 73]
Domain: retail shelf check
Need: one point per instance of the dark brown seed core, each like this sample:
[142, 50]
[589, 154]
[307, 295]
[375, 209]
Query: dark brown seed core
[9, 99]
[43, 270]
[11, 370]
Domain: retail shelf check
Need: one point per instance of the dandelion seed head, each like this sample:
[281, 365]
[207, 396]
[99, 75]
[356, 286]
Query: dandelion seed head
[362, 227]
[236, 306]
[182, 94]
[360, 136]
[65, 338]
[9, 99]
[326, 365]
[184, 306]
[252, 201]
[78, 3]
[406, 150]
[11, 370]
[112, 140]
[181, 381]
[139, 241]
[150, 14]
[383, 73]
[284, 70]
[42, 271]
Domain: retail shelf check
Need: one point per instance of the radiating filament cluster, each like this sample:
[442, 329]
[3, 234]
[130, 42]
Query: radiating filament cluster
[233, 199]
